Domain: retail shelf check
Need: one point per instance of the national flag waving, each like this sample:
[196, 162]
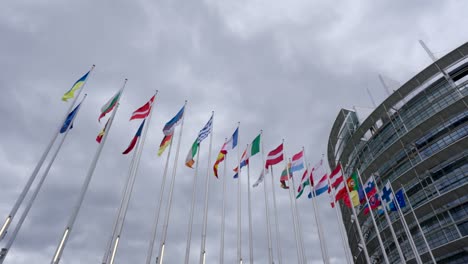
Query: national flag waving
[387, 196]
[69, 121]
[228, 145]
[166, 141]
[306, 180]
[102, 132]
[321, 186]
[109, 105]
[78, 84]
[275, 156]
[204, 132]
[374, 203]
[285, 175]
[135, 139]
[143, 111]
[250, 151]
[369, 188]
[297, 163]
[260, 178]
[171, 124]
[336, 172]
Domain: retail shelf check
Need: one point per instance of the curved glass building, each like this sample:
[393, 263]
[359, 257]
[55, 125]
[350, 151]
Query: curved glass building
[418, 140]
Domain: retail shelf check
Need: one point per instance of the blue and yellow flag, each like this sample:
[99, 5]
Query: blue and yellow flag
[71, 93]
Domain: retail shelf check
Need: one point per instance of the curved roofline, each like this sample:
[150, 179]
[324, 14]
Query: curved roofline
[449, 59]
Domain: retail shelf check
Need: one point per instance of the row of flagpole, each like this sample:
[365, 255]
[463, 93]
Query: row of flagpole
[137, 145]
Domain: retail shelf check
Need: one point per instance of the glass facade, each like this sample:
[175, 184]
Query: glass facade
[419, 143]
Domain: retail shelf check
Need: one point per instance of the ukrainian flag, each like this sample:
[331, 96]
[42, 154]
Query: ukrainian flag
[71, 93]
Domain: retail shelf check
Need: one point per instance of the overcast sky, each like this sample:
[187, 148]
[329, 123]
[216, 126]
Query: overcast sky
[286, 67]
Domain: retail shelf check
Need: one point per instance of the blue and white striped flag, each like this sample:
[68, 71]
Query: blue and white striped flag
[204, 132]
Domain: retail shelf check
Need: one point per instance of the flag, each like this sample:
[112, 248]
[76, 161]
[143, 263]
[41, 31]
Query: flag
[253, 149]
[228, 145]
[143, 111]
[204, 132]
[109, 105]
[297, 162]
[166, 141]
[304, 182]
[275, 156]
[171, 124]
[374, 203]
[68, 122]
[387, 195]
[243, 163]
[337, 182]
[321, 186]
[400, 197]
[102, 132]
[354, 199]
[336, 171]
[78, 84]
[353, 182]
[135, 139]
[285, 175]
[369, 189]
[260, 178]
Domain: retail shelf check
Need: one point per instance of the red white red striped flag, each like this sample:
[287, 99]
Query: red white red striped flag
[275, 156]
[143, 111]
[335, 172]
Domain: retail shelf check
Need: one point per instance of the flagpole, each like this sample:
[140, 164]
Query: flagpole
[300, 259]
[389, 222]
[250, 212]
[31, 179]
[339, 218]
[190, 224]
[278, 236]
[207, 189]
[267, 213]
[84, 188]
[223, 212]
[429, 250]
[316, 217]
[171, 191]
[239, 206]
[377, 232]
[298, 217]
[417, 256]
[18, 226]
[133, 173]
[158, 209]
[356, 219]
[105, 259]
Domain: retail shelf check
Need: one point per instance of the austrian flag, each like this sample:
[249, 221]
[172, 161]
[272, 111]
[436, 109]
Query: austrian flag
[275, 156]
[143, 111]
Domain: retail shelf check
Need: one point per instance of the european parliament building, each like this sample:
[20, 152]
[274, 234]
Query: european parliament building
[417, 140]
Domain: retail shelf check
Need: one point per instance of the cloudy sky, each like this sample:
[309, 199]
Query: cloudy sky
[286, 67]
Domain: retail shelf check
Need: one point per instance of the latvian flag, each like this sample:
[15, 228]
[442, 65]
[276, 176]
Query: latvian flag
[143, 111]
[275, 156]
[135, 139]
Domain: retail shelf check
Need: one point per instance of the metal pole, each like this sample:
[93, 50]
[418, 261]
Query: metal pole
[298, 218]
[31, 179]
[300, 259]
[419, 226]
[223, 212]
[18, 226]
[323, 243]
[207, 191]
[84, 188]
[278, 235]
[190, 224]
[267, 213]
[158, 209]
[389, 221]
[250, 213]
[171, 191]
[377, 231]
[406, 228]
[239, 207]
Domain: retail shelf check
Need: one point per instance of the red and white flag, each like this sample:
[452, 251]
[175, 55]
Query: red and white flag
[336, 172]
[275, 156]
[143, 111]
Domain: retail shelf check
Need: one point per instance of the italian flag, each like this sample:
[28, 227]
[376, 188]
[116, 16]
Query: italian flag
[109, 105]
